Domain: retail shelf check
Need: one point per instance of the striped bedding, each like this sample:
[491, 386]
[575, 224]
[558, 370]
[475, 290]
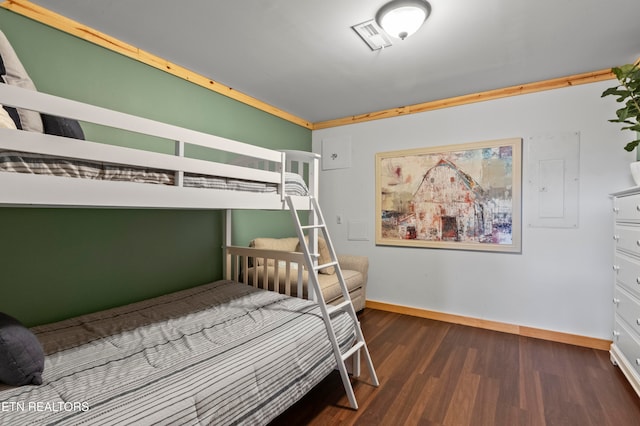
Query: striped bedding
[22, 162]
[222, 353]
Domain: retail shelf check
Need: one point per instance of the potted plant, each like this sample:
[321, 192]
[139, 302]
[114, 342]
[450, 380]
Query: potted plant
[627, 92]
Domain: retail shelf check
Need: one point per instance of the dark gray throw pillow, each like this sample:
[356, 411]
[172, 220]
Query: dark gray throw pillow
[21, 354]
[61, 126]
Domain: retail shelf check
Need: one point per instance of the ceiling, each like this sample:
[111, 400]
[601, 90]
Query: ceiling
[303, 57]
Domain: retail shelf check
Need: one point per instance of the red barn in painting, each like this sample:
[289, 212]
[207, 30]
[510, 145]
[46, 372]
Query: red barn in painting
[449, 205]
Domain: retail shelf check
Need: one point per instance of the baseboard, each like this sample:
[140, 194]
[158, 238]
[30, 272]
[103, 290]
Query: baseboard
[554, 336]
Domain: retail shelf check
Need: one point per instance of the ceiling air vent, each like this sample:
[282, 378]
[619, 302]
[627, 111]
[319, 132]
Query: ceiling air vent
[372, 34]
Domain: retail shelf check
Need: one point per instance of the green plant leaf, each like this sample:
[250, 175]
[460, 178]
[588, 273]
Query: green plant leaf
[617, 71]
[627, 92]
[632, 145]
[614, 91]
[622, 114]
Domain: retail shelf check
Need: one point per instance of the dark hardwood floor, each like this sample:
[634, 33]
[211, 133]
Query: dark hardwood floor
[436, 373]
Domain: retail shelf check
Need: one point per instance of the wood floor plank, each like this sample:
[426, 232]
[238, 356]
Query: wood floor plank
[419, 404]
[440, 374]
[486, 401]
[530, 389]
[400, 410]
[460, 408]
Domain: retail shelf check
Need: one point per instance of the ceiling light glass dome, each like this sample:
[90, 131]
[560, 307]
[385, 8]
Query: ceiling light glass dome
[401, 18]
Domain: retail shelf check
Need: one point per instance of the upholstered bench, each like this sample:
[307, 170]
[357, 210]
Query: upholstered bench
[354, 270]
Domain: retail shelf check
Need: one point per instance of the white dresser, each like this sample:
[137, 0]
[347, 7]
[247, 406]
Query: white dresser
[625, 349]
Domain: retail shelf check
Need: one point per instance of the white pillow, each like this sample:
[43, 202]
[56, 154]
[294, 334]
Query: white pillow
[16, 75]
[5, 121]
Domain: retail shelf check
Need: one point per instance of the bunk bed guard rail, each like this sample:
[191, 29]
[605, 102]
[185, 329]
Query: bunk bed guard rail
[43, 190]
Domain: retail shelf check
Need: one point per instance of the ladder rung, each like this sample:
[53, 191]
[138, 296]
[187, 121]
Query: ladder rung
[319, 226]
[358, 345]
[325, 265]
[339, 307]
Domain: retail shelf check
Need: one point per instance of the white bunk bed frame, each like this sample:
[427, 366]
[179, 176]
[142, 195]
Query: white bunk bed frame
[21, 189]
[253, 163]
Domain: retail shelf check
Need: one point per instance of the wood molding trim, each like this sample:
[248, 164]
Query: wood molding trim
[522, 89]
[47, 17]
[554, 336]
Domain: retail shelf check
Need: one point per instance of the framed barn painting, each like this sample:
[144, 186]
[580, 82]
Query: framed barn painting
[465, 197]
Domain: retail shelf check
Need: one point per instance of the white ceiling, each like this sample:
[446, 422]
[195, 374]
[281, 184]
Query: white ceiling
[303, 57]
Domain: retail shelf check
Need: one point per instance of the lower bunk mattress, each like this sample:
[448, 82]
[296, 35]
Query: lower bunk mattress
[221, 353]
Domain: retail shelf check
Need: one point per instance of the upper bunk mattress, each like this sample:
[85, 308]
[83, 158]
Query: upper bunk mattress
[222, 353]
[22, 162]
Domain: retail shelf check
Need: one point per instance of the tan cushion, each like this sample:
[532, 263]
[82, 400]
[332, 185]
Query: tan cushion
[325, 256]
[331, 287]
[328, 283]
[281, 244]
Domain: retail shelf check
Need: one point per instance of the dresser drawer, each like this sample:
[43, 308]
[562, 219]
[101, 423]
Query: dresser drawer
[628, 308]
[627, 239]
[627, 208]
[624, 339]
[627, 271]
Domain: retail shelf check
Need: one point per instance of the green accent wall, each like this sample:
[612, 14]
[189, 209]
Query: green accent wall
[58, 263]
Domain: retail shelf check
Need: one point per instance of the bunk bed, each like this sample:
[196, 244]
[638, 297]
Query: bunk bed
[221, 353]
[246, 168]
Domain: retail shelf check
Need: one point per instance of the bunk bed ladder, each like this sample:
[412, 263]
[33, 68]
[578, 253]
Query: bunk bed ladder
[328, 311]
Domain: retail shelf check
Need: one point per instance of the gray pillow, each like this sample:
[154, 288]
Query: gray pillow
[61, 126]
[21, 354]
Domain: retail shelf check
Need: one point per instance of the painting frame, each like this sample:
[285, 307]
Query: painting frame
[463, 197]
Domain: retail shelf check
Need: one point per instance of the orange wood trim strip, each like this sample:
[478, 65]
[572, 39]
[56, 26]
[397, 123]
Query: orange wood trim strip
[557, 83]
[554, 336]
[47, 17]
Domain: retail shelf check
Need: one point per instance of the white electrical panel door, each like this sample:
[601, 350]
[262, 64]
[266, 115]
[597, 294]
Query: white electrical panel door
[553, 169]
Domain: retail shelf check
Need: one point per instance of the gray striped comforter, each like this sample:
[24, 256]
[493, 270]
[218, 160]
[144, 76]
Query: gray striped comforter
[222, 353]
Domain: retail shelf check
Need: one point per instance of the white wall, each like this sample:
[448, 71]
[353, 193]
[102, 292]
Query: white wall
[561, 281]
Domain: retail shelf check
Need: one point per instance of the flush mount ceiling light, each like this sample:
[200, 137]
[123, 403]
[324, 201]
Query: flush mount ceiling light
[401, 18]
